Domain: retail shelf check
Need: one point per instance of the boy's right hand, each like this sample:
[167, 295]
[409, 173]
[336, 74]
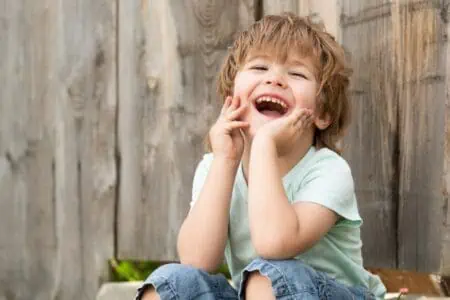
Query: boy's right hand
[225, 135]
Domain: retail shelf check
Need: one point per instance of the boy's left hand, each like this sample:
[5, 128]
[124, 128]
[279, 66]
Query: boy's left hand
[285, 131]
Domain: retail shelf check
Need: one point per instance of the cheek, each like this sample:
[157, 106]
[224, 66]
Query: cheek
[238, 87]
[306, 98]
[242, 84]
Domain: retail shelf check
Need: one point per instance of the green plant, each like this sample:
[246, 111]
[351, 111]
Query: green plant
[129, 270]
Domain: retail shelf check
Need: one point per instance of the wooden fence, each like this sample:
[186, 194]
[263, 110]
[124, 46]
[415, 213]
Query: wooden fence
[104, 105]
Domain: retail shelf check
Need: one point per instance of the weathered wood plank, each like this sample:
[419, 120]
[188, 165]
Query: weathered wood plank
[371, 143]
[419, 52]
[414, 47]
[445, 251]
[277, 7]
[355, 12]
[366, 11]
[26, 184]
[57, 167]
[327, 10]
[85, 168]
[169, 54]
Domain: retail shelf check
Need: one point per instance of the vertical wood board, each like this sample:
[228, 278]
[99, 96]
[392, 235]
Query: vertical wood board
[419, 52]
[371, 142]
[324, 11]
[169, 56]
[57, 167]
[445, 252]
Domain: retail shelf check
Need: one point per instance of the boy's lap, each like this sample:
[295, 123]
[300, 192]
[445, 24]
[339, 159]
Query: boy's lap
[291, 279]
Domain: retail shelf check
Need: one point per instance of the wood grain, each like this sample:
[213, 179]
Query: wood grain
[169, 54]
[420, 75]
[325, 11]
[371, 142]
[57, 166]
[411, 62]
[104, 106]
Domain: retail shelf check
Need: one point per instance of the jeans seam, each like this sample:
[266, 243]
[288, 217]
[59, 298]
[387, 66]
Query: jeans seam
[286, 282]
[167, 282]
[283, 276]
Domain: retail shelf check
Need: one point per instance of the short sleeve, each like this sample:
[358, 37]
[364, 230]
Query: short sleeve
[329, 182]
[200, 176]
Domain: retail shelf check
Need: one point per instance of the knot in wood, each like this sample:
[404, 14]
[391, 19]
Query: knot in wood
[152, 82]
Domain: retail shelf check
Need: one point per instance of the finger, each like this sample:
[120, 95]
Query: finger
[226, 104]
[296, 115]
[302, 115]
[311, 119]
[304, 121]
[301, 120]
[235, 114]
[236, 124]
[234, 104]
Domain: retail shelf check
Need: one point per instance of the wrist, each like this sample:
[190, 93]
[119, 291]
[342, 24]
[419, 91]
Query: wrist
[226, 162]
[265, 143]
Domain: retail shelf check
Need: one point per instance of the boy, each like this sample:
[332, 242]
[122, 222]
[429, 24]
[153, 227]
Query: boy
[274, 196]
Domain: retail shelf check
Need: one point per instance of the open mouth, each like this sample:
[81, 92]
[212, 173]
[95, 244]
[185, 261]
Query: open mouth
[270, 106]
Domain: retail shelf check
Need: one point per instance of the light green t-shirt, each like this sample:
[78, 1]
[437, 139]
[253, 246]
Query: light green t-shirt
[322, 177]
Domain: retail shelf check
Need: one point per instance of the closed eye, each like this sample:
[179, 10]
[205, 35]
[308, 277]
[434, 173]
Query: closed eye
[300, 75]
[259, 68]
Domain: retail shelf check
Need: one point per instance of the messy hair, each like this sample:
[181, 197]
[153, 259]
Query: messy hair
[282, 34]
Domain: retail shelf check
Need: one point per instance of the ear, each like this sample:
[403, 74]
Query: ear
[323, 122]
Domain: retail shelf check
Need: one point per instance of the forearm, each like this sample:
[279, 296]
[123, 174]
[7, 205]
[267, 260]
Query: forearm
[203, 235]
[273, 221]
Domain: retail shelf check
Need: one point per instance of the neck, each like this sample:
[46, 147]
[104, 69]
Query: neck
[286, 162]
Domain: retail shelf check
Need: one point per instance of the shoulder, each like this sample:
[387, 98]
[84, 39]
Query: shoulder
[327, 164]
[328, 159]
[327, 180]
[318, 163]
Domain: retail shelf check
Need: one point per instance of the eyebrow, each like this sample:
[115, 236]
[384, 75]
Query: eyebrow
[299, 62]
[295, 61]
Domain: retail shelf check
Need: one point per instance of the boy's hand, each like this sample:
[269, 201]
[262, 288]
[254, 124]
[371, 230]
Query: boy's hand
[225, 136]
[285, 131]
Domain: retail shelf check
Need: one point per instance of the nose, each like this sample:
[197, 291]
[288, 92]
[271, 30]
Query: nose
[275, 79]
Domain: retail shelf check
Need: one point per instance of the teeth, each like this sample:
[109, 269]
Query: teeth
[270, 99]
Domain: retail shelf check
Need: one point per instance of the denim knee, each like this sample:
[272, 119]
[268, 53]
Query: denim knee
[164, 280]
[174, 271]
[282, 273]
[177, 281]
[293, 279]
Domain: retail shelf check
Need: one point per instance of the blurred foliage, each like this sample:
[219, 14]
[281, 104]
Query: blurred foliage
[129, 270]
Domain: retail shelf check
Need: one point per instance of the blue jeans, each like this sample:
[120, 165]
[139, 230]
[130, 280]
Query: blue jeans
[291, 279]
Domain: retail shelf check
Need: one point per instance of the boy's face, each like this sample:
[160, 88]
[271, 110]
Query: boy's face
[273, 88]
